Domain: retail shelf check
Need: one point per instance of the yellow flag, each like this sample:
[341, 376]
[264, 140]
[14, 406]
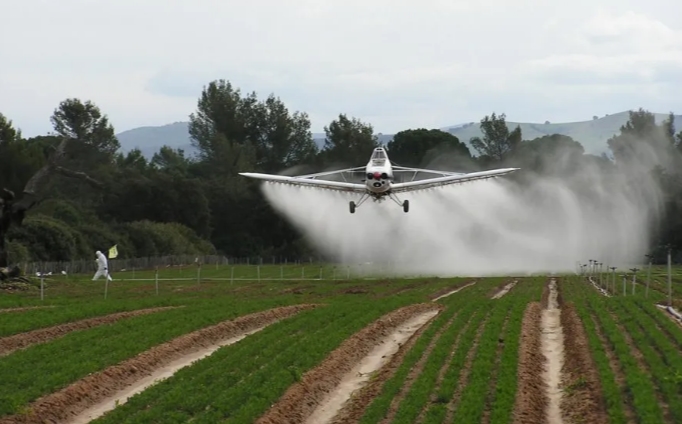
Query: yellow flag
[113, 252]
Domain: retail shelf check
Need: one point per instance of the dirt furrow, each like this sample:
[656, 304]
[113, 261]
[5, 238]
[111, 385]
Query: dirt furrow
[92, 390]
[414, 373]
[466, 370]
[617, 370]
[352, 411]
[440, 294]
[24, 308]
[552, 342]
[531, 396]
[302, 399]
[490, 398]
[504, 290]
[15, 342]
[583, 399]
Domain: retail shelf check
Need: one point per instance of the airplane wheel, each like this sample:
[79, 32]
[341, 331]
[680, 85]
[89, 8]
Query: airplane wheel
[406, 205]
[352, 207]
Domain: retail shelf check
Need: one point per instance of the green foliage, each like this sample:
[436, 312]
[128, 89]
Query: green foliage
[159, 239]
[18, 252]
[497, 141]
[175, 204]
[428, 148]
[348, 141]
[50, 239]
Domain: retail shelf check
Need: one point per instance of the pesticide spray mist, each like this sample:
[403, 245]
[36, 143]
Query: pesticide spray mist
[489, 227]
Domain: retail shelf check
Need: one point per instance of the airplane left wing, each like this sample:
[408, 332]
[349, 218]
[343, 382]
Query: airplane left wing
[449, 179]
[309, 181]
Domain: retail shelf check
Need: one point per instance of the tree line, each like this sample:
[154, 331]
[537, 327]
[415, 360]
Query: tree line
[70, 192]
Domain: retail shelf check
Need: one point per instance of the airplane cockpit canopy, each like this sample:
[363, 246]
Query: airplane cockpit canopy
[378, 154]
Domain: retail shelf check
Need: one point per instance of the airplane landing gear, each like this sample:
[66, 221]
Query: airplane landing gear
[406, 206]
[352, 205]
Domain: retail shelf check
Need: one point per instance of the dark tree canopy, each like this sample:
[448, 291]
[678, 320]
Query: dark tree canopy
[72, 192]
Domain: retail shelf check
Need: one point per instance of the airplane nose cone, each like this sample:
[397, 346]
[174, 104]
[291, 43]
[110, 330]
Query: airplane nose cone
[377, 175]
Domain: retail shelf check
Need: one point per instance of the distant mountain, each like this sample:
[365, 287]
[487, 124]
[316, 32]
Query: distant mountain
[591, 134]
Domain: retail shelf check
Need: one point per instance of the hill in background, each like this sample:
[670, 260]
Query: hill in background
[592, 134]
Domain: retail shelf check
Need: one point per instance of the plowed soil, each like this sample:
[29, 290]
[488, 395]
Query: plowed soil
[10, 344]
[302, 398]
[24, 308]
[504, 290]
[582, 400]
[414, 373]
[531, 398]
[353, 410]
[440, 294]
[58, 407]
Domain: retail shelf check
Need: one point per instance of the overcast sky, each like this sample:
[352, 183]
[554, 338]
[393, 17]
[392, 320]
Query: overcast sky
[395, 64]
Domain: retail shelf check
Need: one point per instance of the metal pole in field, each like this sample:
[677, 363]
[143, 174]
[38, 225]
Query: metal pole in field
[613, 271]
[281, 272]
[302, 271]
[198, 273]
[42, 286]
[624, 283]
[320, 273]
[258, 272]
[634, 278]
[648, 275]
[232, 275]
[670, 278]
[156, 279]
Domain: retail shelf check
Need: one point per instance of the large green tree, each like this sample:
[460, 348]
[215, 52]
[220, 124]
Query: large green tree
[72, 123]
[497, 141]
[422, 147]
[348, 141]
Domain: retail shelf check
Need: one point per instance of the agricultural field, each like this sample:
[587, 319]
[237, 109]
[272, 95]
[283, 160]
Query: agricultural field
[286, 345]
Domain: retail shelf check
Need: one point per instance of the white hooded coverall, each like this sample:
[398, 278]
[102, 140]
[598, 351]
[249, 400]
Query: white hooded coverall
[102, 267]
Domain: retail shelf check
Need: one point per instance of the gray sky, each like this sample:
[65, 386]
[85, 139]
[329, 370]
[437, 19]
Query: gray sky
[393, 63]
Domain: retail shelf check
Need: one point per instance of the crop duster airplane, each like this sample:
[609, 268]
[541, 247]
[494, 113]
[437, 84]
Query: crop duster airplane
[379, 180]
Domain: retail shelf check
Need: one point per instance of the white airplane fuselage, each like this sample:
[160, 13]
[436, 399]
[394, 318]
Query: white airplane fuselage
[378, 173]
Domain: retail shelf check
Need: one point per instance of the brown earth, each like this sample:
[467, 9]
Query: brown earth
[582, 399]
[500, 287]
[450, 288]
[15, 342]
[77, 397]
[302, 398]
[353, 410]
[465, 372]
[531, 398]
[24, 308]
[415, 371]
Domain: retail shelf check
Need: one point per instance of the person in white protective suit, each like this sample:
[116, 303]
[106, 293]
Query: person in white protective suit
[102, 267]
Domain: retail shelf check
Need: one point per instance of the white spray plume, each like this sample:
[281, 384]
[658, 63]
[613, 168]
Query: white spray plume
[489, 227]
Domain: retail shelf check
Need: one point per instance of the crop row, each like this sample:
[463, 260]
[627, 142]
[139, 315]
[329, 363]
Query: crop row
[42, 369]
[448, 381]
[635, 347]
[239, 382]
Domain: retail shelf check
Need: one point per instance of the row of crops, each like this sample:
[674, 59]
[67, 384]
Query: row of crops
[636, 349]
[462, 368]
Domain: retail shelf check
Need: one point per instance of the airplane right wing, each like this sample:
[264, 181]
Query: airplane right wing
[450, 178]
[312, 181]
